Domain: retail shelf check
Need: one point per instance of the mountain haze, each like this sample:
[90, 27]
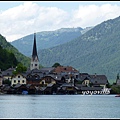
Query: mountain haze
[96, 51]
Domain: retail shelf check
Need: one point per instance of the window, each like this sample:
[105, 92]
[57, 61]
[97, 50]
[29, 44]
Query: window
[36, 77]
[29, 76]
[8, 74]
[18, 81]
[86, 82]
[35, 64]
[76, 76]
[95, 81]
[18, 76]
[23, 81]
[14, 81]
[42, 82]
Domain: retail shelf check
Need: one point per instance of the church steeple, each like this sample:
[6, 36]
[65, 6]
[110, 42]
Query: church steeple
[34, 59]
[34, 53]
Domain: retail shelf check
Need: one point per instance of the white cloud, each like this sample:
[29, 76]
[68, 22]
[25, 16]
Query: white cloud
[30, 17]
[92, 15]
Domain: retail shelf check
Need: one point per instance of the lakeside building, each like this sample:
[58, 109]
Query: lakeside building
[7, 74]
[18, 79]
[51, 80]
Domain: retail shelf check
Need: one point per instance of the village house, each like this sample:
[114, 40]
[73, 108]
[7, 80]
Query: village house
[51, 80]
[69, 73]
[7, 74]
[18, 79]
[93, 80]
[47, 80]
[34, 76]
[67, 88]
[65, 69]
[99, 80]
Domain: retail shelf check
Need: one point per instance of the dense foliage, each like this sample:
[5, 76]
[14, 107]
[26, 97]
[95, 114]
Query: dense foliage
[7, 59]
[12, 50]
[56, 65]
[115, 89]
[20, 68]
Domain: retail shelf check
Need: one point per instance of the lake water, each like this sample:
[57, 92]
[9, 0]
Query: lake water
[59, 106]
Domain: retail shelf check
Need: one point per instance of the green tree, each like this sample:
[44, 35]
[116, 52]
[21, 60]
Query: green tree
[20, 68]
[108, 85]
[115, 89]
[11, 49]
[56, 65]
[7, 59]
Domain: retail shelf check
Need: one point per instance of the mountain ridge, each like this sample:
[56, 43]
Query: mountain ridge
[48, 39]
[96, 51]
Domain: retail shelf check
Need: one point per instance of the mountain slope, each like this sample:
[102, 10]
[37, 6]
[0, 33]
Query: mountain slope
[47, 39]
[7, 59]
[20, 57]
[96, 51]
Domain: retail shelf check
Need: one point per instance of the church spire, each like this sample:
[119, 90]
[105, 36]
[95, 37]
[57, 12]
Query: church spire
[34, 60]
[34, 54]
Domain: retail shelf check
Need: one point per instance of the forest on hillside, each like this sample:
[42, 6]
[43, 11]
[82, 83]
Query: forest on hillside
[12, 50]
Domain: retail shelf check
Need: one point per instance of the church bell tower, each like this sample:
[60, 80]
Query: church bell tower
[34, 60]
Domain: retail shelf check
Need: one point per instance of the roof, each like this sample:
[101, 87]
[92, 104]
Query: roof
[67, 85]
[84, 76]
[6, 88]
[95, 79]
[91, 88]
[8, 72]
[22, 74]
[65, 69]
[28, 85]
[47, 69]
[100, 79]
[17, 85]
[42, 88]
[33, 73]
[80, 85]
[55, 77]
[50, 85]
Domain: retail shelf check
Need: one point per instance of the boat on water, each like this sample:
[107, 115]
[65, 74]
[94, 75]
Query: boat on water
[24, 92]
[117, 95]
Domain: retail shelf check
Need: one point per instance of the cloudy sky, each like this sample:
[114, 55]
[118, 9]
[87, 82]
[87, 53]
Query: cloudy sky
[21, 18]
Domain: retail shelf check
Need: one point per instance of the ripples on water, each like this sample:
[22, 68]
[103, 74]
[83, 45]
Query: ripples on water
[59, 106]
